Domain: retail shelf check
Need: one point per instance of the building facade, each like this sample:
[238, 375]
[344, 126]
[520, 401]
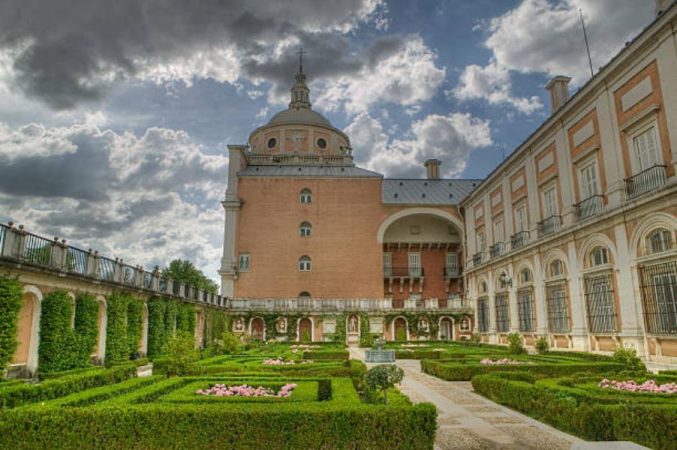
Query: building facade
[573, 235]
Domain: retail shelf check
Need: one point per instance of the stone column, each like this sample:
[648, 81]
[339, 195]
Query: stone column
[579, 328]
[539, 296]
[628, 293]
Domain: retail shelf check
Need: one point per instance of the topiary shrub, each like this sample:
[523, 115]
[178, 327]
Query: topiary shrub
[181, 353]
[628, 357]
[515, 346]
[381, 378]
[10, 305]
[542, 345]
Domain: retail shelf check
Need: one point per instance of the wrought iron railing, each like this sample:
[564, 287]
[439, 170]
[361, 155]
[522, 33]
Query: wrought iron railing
[477, 258]
[452, 272]
[549, 225]
[645, 181]
[589, 207]
[659, 297]
[403, 271]
[497, 249]
[17, 245]
[519, 239]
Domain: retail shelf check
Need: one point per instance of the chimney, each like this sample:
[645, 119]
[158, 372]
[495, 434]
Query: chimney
[433, 168]
[559, 91]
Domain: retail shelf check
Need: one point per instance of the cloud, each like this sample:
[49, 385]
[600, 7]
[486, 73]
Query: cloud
[69, 52]
[450, 138]
[546, 37]
[492, 83]
[148, 198]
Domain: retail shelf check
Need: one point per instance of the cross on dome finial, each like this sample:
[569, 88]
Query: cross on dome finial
[300, 94]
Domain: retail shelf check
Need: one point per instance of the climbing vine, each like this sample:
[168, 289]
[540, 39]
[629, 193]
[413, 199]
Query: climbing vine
[157, 335]
[117, 340]
[60, 347]
[134, 326]
[10, 305]
[165, 318]
[86, 324]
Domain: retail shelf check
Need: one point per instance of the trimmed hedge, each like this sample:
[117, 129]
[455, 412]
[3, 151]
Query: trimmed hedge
[10, 305]
[460, 370]
[321, 355]
[417, 354]
[614, 416]
[20, 394]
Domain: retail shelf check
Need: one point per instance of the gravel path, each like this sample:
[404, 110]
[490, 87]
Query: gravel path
[469, 421]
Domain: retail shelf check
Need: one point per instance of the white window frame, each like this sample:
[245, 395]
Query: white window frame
[604, 256]
[414, 263]
[481, 241]
[306, 196]
[305, 229]
[451, 261]
[637, 165]
[244, 262]
[521, 218]
[498, 226]
[387, 264]
[550, 205]
[584, 181]
[305, 264]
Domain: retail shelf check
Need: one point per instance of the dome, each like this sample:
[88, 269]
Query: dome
[299, 116]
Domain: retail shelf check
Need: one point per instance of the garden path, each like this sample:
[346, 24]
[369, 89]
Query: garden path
[469, 421]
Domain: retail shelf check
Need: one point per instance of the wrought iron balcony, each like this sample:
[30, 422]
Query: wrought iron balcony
[403, 271]
[497, 249]
[549, 225]
[519, 239]
[452, 272]
[646, 181]
[477, 259]
[589, 207]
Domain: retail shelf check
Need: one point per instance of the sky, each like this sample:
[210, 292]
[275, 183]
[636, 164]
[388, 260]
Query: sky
[115, 115]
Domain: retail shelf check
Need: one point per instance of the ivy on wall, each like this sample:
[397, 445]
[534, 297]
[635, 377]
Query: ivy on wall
[124, 327]
[60, 347]
[10, 305]
[165, 318]
[413, 320]
[134, 325]
[215, 324]
[86, 324]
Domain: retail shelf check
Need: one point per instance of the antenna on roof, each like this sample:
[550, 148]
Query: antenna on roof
[585, 37]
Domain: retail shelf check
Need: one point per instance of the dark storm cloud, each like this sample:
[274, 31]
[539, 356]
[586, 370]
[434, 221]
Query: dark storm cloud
[72, 51]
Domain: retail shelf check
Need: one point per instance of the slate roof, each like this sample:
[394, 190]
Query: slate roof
[426, 192]
[308, 171]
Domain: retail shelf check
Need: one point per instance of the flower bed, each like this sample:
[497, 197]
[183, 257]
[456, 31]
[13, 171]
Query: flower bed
[649, 386]
[282, 362]
[502, 362]
[222, 390]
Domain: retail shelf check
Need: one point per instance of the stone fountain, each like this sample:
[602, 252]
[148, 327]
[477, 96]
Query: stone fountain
[377, 354]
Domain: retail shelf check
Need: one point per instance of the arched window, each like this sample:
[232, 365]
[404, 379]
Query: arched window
[556, 268]
[304, 295]
[599, 256]
[525, 276]
[658, 241]
[305, 229]
[306, 196]
[304, 264]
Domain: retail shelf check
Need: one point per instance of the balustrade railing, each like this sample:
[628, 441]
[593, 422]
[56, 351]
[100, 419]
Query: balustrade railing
[452, 272]
[345, 305]
[519, 239]
[17, 245]
[549, 225]
[477, 259]
[645, 181]
[497, 249]
[589, 207]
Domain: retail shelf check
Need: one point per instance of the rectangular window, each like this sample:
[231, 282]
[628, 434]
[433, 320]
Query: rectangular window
[244, 263]
[521, 218]
[646, 150]
[599, 299]
[481, 241]
[589, 186]
[498, 230]
[387, 264]
[483, 314]
[502, 314]
[549, 203]
[451, 263]
[556, 302]
[525, 309]
[414, 264]
[659, 297]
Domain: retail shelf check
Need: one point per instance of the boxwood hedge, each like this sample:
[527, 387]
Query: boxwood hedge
[648, 419]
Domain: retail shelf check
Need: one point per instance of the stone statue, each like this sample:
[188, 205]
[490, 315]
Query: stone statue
[238, 325]
[352, 324]
[423, 324]
[281, 325]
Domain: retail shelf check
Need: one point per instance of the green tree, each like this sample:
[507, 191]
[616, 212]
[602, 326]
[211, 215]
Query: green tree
[182, 353]
[383, 377]
[184, 271]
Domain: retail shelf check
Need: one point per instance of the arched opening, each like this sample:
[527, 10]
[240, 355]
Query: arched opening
[28, 331]
[400, 331]
[446, 329]
[305, 330]
[422, 256]
[257, 329]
